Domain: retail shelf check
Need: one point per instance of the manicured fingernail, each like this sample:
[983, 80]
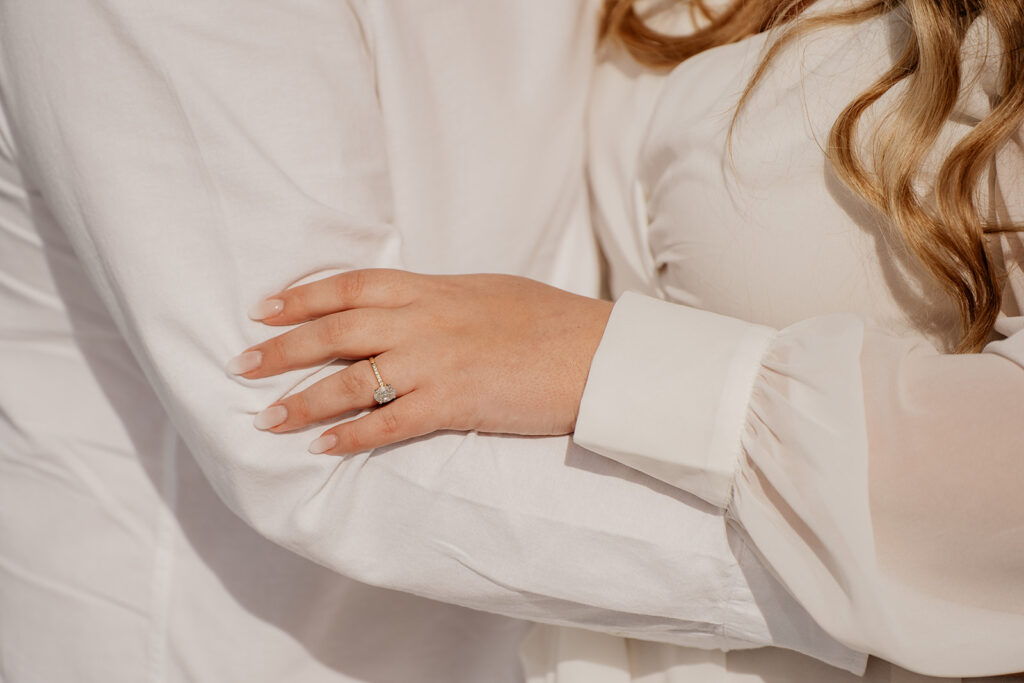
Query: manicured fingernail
[266, 309]
[270, 417]
[245, 362]
[323, 444]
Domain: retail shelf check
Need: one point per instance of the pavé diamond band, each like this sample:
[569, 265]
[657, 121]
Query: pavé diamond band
[385, 392]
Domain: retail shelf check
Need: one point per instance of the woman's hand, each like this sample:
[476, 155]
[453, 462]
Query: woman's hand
[494, 353]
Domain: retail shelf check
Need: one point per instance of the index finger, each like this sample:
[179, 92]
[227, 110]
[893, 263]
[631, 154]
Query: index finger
[368, 288]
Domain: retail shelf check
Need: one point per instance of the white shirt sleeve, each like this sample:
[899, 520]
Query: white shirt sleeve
[877, 477]
[194, 153]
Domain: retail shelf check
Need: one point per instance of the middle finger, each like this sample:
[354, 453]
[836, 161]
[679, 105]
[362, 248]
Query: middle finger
[347, 335]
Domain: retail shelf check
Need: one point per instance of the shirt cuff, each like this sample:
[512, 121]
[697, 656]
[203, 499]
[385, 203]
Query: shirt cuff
[668, 392]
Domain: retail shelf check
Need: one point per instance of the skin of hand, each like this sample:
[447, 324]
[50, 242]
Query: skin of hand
[492, 353]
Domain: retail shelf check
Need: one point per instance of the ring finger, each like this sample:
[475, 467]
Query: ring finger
[347, 390]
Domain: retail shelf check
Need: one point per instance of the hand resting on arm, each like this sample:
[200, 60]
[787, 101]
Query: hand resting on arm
[906, 576]
[493, 353]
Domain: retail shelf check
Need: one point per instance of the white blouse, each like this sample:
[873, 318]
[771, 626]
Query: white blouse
[799, 378]
[163, 165]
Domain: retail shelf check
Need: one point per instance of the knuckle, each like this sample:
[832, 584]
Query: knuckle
[447, 285]
[349, 286]
[349, 441]
[390, 425]
[275, 350]
[326, 330]
[299, 409]
[352, 380]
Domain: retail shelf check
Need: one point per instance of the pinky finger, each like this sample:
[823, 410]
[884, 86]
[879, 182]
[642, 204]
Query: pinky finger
[404, 418]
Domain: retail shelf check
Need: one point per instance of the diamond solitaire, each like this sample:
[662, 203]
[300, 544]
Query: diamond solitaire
[384, 394]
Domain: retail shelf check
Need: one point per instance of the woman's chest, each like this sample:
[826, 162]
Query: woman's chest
[751, 221]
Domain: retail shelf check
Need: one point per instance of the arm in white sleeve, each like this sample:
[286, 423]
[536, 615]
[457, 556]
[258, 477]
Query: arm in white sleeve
[877, 477]
[200, 156]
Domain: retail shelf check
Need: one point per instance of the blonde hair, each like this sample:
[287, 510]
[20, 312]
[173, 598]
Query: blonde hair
[945, 228]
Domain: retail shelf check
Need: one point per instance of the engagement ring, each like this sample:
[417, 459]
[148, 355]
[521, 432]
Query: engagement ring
[385, 392]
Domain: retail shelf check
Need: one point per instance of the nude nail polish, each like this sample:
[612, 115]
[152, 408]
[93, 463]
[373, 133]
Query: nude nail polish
[245, 362]
[270, 417]
[323, 444]
[266, 309]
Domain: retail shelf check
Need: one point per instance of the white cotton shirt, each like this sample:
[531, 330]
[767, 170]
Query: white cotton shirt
[164, 166]
[781, 357]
